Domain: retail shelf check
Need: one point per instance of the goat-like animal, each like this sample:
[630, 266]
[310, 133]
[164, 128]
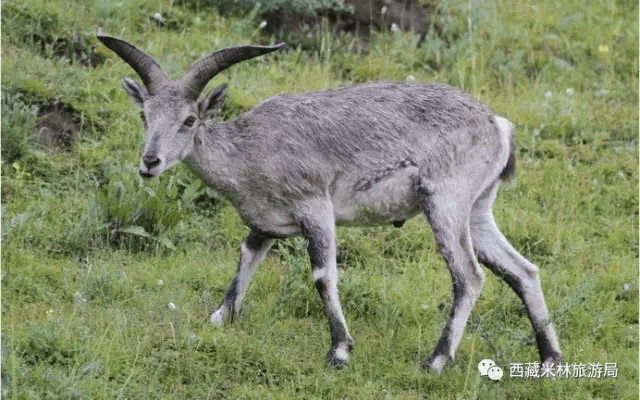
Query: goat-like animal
[373, 153]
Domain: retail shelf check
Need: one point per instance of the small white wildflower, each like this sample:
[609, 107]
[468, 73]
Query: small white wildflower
[560, 63]
[410, 78]
[548, 94]
[79, 298]
[262, 25]
[160, 282]
[384, 10]
[569, 91]
[157, 17]
[424, 306]
[50, 312]
[172, 306]
[198, 20]
[394, 27]
[625, 287]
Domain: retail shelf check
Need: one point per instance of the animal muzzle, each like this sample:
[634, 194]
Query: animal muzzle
[150, 166]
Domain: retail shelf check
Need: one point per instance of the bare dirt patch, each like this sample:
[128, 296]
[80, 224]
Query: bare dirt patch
[57, 126]
[78, 50]
[361, 17]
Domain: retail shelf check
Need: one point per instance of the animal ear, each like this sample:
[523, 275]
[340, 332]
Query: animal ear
[135, 91]
[210, 104]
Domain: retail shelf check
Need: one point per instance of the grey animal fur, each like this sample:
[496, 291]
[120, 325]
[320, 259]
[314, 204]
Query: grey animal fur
[374, 153]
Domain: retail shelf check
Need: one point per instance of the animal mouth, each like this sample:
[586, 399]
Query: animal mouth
[145, 174]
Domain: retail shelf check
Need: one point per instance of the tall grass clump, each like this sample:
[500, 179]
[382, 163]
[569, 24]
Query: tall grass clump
[128, 211]
[18, 121]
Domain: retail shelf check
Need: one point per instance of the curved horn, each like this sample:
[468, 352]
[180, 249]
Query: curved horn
[200, 73]
[145, 66]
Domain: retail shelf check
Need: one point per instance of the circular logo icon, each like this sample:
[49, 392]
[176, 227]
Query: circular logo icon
[495, 373]
[484, 366]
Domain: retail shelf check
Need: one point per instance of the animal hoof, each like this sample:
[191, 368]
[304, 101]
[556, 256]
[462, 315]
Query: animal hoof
[336, 362]
[553, 359]
[338, 357]
[435, 363]
[217, 318]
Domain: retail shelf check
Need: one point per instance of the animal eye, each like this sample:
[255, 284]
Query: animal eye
[189, 121]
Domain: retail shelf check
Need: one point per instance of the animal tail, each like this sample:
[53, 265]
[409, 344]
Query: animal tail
[506, 129]
[509, 170]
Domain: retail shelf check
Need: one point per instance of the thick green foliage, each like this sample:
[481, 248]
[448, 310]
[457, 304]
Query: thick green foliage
[126, 205]
[18, 120]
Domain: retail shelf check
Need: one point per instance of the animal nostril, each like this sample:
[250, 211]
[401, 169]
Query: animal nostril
[150, 161]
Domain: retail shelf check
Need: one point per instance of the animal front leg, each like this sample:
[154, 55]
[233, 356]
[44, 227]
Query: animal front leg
[320, 234]
[252, 252]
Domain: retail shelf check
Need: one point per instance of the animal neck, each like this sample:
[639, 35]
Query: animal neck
[215, 159]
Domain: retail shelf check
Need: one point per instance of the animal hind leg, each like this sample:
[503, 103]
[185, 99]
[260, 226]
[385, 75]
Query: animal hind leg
[450, 224]
[495, 252]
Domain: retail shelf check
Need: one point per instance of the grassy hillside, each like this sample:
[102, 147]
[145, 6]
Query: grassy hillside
[92, 256]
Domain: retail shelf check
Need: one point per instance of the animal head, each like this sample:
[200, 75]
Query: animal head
[170, 109]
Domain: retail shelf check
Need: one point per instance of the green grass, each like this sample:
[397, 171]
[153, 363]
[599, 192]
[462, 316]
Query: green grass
[84, 316]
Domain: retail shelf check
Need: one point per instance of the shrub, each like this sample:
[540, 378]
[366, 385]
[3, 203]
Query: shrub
[128, 210]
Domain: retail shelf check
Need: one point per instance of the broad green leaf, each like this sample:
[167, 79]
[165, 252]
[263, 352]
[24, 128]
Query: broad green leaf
[191, 190]
[135, 230]
[165, 241]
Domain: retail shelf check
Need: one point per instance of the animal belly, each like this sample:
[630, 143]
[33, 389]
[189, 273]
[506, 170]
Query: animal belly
[391, 198]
